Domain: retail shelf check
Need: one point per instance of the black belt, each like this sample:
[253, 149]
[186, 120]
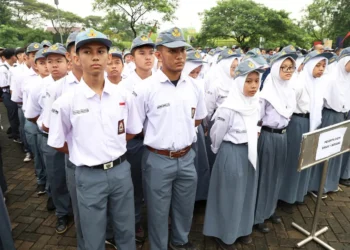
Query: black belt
[307, 115]
[139, 137]
[345, 114]
[45, 135]
[109, 165]
[275, 130]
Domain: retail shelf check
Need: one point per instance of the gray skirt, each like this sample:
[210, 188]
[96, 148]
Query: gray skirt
[232, 194]
[345, 171]
[272, 151]
[329, 117]
[295, 184]
[202, 165]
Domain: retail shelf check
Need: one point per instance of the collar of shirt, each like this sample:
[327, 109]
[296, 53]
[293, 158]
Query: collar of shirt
[89, 93]
[8, 65]
[32, 72]
[163, 78]
[71, 78]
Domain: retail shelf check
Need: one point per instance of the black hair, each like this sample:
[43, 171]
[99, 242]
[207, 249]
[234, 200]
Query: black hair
[8, 53]
[132, 52]
[70, 46]
[20, 51]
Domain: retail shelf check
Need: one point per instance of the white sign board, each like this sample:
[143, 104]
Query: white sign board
[330, 143]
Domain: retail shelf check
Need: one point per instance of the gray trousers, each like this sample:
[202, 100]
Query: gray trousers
[6, 241]
[134, 156]
[99, 191]
[169, 185]
[3, 184]
[22, 121]
[56, 175]
[31, 132]
[71, 184]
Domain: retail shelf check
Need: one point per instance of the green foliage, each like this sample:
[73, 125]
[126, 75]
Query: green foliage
[135, 11]
[246, 21]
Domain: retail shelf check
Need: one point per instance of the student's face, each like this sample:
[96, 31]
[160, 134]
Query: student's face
[20, 58]
[41, 66]
[233, 67]
[30, 58]
[319, 48]
[347, 67]
[57, 66]
[70, 57]
[13, 60]
[172, 59]
[263, 52]
[271, 52]
[93, 58]
[194, 73]
[128, 58]
[115, 67]
[144, 58]
[287, 69]
[251, 85]
[319, 69]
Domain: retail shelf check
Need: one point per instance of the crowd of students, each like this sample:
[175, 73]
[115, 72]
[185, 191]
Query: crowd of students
[164, 125]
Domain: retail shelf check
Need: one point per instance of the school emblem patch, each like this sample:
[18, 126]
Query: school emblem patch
[92, 33]
[197, 55]
[193, 112]
[54, 47]
[36, 46]
[121, 127]
[144, 38]
[251, 65]
[176, 32]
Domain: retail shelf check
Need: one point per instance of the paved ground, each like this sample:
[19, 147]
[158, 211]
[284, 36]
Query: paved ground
[33, 226]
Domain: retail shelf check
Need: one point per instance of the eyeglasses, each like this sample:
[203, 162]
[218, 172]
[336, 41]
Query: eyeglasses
[288, 69]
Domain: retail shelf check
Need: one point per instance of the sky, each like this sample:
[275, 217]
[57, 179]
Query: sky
[187, 12]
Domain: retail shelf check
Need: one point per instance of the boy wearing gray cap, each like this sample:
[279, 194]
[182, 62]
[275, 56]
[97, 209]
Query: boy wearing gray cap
[171, 104]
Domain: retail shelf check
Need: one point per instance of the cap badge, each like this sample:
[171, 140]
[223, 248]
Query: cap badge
[144, 38]
[54, 47]
[230, 52]
[36, 46]
[251, 65]
[197, 55]
[176, 33]
[92, 33]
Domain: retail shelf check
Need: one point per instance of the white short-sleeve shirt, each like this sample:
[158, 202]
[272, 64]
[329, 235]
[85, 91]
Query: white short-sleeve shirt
[5, 75]
[94, 127]
[20, 83]
[170, 112]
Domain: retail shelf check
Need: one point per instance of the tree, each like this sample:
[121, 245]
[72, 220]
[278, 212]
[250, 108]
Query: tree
[136, 10]
[246, 21]
[95, 22]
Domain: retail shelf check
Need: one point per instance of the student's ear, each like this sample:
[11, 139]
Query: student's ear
[76, 60]
[158, 55]
[68, 56]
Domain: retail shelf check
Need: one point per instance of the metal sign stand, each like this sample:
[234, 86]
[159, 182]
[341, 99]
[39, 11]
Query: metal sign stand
[307, 158]
[314, 234]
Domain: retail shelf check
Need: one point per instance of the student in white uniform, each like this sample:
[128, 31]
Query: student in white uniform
[115, 66]
[309, 87]
[233, 185]
[193, 67]
[171, 104]
[336, 109]
[5, 84]
[103, 176]
[22, 85]
[54, 160]
[129, 64]
[278, 102]
[142, 51]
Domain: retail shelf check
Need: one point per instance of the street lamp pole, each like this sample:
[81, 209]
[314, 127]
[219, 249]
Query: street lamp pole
[59, 22]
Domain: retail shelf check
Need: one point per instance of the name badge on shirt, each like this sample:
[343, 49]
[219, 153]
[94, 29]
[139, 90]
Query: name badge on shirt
[193, 112]
[80, 111]
[121, 127]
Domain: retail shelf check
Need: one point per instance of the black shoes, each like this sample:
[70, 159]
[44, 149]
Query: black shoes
[223, 246]
[49, 205]
[62, 224]
[246, 240]
[262, 228]
[275, 219]
[345, 182]
[187, 246]
[111, 242]
[40, 189]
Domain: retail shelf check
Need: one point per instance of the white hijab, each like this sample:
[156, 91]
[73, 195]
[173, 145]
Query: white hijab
[278, 92]
[311, 99]
[338, 89]
[222, 74]
[248, 108]
[190, 66]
